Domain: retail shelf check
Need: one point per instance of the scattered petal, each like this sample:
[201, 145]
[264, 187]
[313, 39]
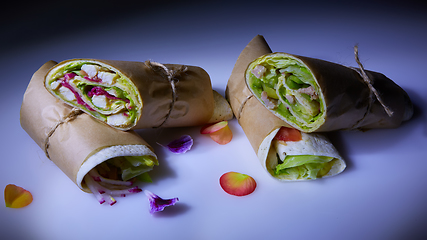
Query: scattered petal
[157, 203]
[237, 184]
[222, 136]
[210, 128]
[181, 145]
[220, 132]
[17, 197]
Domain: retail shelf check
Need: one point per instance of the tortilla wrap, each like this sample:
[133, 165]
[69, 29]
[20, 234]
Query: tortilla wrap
[312, 157]
[261, 126]
[134, 95]
[314, 95]
[74, 141]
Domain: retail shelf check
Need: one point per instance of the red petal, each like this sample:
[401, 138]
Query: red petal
[16, 197]
[237, 184]
[288, 134]
[222, 136]
[210, 128]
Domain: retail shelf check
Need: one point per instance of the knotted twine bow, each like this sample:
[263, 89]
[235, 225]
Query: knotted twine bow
[171, 76]
[67, 118]
[368, 82]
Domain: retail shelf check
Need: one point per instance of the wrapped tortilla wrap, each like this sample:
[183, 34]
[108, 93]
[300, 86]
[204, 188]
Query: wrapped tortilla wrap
[313, 95]
[134, 95]
[304, 157]
[301, 156]
[76, 142]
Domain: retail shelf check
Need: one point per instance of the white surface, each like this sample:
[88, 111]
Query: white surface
[381, 195]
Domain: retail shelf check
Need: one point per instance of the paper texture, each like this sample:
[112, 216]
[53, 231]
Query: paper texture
[75, 139]
[172, 95]
[349, 100]
[257, 122]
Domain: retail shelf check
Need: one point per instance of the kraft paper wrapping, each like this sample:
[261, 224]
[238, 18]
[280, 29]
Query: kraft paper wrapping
[260, 125]
[353, 98]
[256, 121]
[74, 141]
[171, 95]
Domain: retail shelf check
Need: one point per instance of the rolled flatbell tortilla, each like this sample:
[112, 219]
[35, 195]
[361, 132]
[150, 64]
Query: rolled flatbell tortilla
[134, 95]
[314, 95]
[316, 155]
[310, 157]
[76, 142]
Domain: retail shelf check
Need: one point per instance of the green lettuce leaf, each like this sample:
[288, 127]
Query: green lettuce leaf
[304, 166]
[133, 166]
[286, 76]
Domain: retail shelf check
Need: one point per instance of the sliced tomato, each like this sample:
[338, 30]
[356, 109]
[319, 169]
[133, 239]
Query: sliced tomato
[288, 134]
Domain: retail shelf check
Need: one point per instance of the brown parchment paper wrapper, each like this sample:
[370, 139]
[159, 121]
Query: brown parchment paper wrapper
[258, 123]
[353, 101]
[74, 141]
[189, 102]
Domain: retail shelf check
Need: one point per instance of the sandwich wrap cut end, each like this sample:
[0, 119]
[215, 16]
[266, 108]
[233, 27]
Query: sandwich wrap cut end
[74, 141]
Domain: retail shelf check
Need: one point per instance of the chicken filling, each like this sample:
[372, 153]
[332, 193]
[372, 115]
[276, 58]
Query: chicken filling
[98, 90]
[288, 88]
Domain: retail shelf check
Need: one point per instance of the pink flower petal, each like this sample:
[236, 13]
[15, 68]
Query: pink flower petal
[237, 184]
[210, 128]
[222, 136]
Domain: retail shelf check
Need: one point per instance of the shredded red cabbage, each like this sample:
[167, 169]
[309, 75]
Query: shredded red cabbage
[96, 90]
[65, 83]
[99, 91]
[105, 190]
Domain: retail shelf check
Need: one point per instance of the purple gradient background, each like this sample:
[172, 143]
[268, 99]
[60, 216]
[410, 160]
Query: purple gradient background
[381, 195]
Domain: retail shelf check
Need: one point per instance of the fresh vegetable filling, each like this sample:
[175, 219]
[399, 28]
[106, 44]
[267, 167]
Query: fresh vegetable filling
[98, 90]
[295, 167]
[127, 167]
[116, 176]
[304, 166]
[287, 87]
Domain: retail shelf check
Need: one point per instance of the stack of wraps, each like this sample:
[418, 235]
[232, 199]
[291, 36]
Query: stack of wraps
[146, 94]
[134, 95]
[74, 141]
[263, 93]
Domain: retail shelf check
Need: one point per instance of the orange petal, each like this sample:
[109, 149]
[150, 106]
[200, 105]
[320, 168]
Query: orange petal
[237, 184]
[210, 128]
[222, 136]
[16, 197]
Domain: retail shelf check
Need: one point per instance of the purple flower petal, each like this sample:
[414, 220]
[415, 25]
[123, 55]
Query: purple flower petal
[181, 145]
[157, 203]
